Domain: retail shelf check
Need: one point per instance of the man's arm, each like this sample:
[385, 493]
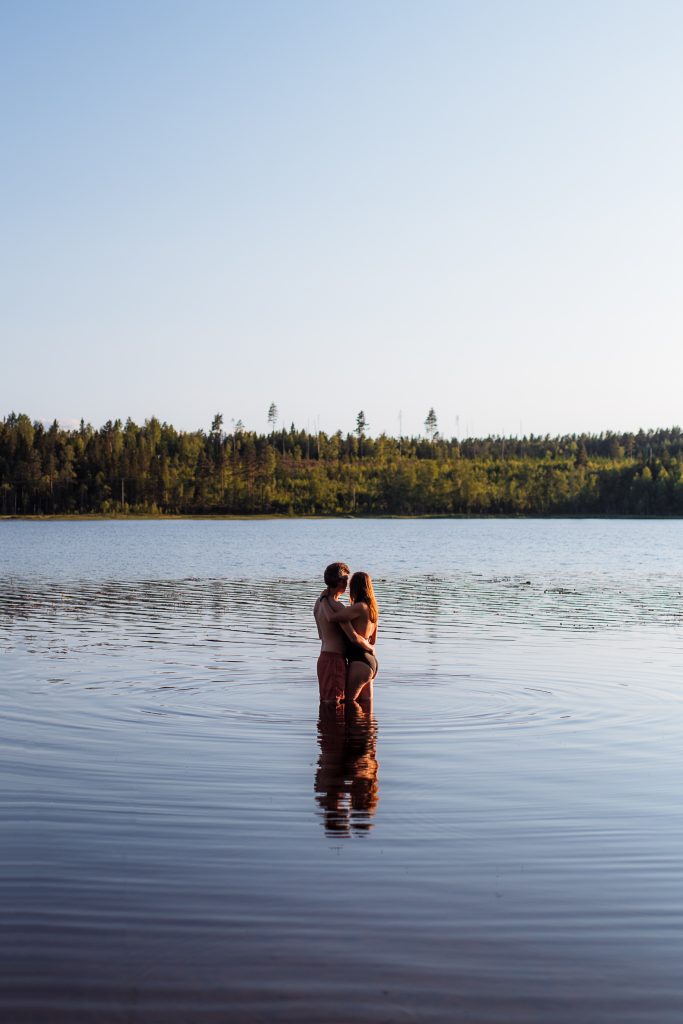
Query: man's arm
[341, 616]
[356, 638]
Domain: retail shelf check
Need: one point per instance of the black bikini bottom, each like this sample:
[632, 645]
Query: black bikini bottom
[355, 653]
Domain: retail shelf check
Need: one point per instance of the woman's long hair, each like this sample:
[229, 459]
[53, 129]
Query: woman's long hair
[360, 589]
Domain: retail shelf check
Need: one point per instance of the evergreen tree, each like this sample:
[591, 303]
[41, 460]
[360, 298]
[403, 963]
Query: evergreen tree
[431, 425]
[361, 427]
[272, 417]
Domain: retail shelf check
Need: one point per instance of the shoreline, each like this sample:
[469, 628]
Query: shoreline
[220, 517]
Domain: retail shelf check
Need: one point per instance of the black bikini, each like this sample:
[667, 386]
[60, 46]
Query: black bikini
[356, 653]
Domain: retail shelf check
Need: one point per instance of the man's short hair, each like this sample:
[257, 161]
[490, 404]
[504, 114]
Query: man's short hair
[335, 573]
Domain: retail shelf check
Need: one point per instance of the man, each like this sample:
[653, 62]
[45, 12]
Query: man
[332, 659]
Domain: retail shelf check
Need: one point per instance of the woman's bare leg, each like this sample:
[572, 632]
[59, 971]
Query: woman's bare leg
[357, 678]
[365, 696]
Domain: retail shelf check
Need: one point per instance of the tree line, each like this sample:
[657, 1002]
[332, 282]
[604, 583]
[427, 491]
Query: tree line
[126, 468]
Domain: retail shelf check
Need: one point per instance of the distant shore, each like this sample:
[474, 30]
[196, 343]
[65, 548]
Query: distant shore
[155, 471]
[257, 517]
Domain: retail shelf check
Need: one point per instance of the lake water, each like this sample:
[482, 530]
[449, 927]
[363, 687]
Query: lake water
[186, 838]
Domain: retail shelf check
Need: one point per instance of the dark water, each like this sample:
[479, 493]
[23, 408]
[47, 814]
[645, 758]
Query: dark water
[185, 838]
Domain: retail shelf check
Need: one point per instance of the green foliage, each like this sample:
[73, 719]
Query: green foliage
[155, 468]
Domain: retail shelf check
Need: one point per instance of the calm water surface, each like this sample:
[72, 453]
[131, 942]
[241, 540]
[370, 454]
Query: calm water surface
[187, 838]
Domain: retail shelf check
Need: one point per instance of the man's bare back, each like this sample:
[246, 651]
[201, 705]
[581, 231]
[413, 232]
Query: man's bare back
[330, 633]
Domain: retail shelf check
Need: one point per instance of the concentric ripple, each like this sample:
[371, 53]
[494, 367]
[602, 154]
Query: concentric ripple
[485, 649]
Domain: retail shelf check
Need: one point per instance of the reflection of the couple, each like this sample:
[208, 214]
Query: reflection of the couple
[346, 780]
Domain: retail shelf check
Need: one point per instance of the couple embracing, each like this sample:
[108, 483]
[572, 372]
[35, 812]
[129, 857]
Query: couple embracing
[347, 664]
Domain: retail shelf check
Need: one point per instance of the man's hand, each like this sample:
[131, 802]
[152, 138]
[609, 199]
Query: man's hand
[362, 642]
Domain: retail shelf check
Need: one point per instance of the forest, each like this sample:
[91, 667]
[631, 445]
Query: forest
[123, 468]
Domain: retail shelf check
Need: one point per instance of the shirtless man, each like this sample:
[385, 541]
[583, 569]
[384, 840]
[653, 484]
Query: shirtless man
[332, 660]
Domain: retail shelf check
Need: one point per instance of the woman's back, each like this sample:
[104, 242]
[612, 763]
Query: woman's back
[364, 624]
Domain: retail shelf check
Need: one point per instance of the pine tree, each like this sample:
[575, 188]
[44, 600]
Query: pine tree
[431, 425]
[272, 416]
[361, 426]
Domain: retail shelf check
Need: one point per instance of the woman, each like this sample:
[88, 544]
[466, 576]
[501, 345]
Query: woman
[363, 614]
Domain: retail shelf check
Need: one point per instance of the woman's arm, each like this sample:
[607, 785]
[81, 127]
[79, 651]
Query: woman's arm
[343, 618]
[343, 614]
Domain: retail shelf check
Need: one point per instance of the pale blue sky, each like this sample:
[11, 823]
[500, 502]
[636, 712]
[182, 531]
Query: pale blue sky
[476, 206]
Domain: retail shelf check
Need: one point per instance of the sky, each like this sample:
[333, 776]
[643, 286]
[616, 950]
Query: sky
[381, 205]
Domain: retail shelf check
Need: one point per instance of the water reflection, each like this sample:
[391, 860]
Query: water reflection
[346, 785]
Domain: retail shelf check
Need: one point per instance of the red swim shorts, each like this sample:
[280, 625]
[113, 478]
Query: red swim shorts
[331, 675]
